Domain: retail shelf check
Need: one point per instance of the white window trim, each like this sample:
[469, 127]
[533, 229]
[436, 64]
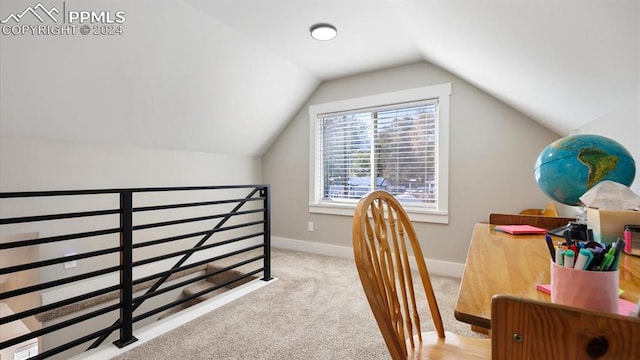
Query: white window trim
[440, 91]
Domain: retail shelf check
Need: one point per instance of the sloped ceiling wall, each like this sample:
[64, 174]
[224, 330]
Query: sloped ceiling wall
[226, 76]
[175, 79]
[563, 63]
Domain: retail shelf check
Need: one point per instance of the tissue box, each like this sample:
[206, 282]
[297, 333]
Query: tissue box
[608, 225]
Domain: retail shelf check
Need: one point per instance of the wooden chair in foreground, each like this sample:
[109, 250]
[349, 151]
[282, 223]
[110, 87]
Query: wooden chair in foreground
[383, 237]
[545, 222]
[530, 329]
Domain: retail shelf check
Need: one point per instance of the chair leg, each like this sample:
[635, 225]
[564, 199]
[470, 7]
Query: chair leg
[481, 330]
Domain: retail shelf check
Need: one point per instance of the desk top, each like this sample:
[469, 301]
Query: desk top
[499, 263]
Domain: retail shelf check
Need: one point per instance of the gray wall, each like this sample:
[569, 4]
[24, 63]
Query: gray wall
[493, 150]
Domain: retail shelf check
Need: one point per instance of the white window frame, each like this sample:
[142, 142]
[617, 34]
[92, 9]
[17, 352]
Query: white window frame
[442, 92]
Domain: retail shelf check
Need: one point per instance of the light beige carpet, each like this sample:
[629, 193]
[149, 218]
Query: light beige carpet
[316, 310]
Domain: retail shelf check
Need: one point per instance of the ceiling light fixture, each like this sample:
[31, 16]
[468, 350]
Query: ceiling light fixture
[323, 31]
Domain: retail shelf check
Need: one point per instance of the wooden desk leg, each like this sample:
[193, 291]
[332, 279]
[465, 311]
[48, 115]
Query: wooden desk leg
[481, 330]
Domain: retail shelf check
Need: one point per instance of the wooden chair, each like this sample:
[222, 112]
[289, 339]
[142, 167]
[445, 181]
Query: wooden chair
[550, 210]
[530, 329]
[545, 222]
[383, 237]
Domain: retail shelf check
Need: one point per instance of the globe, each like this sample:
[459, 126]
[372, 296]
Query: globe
[570, 166]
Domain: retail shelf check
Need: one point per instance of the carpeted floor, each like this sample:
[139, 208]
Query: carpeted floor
[316, 310]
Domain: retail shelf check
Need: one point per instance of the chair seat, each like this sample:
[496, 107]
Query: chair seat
[451, 347]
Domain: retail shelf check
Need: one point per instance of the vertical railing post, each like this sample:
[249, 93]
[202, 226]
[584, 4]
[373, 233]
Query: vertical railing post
[264, 192]
[126, 272]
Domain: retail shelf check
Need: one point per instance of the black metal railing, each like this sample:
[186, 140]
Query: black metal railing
[90, 260]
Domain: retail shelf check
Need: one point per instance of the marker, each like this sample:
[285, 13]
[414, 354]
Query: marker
[550, 247]
[569, 256]
[616, 255]
[598, 257]
[574, 248]
[583, 260]
[608, 259]
[558, 259]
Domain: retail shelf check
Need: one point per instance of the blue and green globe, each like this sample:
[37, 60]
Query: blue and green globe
[570, 166]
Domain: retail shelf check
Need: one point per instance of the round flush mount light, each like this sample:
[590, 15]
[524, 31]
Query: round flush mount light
[323, 32]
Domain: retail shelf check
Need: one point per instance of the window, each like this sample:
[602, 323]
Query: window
[396, 142]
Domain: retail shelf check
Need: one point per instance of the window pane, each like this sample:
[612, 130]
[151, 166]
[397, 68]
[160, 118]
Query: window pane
[393, 149]
[346, 155]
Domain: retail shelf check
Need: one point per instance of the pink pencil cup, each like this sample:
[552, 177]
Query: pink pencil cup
[595, 290]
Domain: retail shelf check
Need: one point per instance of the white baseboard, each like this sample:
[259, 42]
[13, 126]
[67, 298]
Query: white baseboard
[436, 267]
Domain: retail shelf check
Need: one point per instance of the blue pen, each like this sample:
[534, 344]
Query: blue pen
[547, 238]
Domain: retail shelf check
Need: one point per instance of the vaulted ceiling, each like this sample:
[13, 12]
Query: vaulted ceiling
[226, 76]
[562, 62]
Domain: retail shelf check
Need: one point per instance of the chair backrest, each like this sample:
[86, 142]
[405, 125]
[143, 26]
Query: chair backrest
[545, 222]
[550, 210]
[383, 236]
[531, 329]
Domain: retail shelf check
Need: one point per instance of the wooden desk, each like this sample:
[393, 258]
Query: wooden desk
[499, 263]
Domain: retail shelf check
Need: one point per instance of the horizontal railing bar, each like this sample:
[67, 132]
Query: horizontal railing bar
[169, 272]
[240, 226]
[190, 297]
[200, 218]
[22, 194]
[24, 219]
[187, 188]
[60, 260]
[192, 280]
[58, 326]
[58, 304]
[191, 251]
[28, 194]
[186, 236]
[205, 203]
[54, 283]
[45, 240]
[170, 239]
[74, 343]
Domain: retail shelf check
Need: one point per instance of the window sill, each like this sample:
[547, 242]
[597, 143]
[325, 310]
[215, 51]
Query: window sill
[415, 214]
